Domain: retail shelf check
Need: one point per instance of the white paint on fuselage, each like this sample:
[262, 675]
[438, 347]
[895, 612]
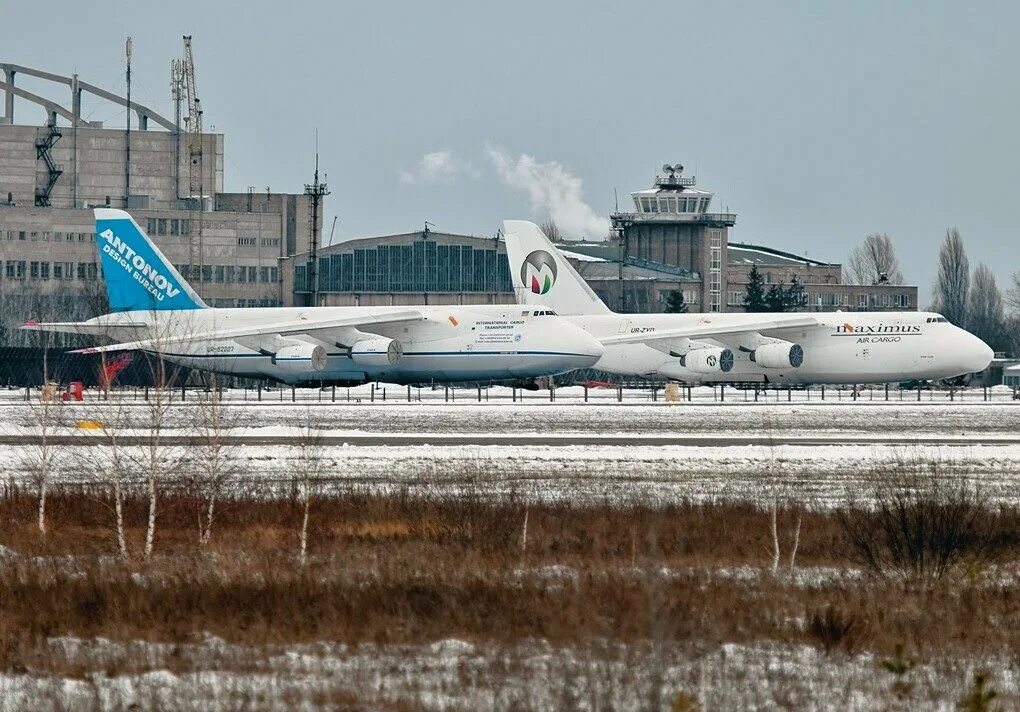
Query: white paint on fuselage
[926, 351]
[481, 342]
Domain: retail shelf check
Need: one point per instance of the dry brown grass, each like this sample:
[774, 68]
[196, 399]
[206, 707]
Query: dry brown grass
[403, 569]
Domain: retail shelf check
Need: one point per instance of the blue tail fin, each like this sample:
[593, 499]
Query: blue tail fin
[138, 276]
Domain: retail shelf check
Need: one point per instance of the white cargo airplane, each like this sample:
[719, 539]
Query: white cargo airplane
[777, 348]
[155, 310]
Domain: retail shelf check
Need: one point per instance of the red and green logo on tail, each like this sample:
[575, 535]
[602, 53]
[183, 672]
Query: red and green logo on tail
[538, 273]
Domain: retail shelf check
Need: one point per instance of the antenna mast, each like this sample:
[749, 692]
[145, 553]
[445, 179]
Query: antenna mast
[316, 191]
[127, 135]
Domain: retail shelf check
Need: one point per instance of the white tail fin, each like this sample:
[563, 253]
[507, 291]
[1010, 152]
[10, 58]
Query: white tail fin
[542, 276]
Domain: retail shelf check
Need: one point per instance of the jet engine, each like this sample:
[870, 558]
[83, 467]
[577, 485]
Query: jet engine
[301, 358]
[711, 360]
[379, 351]
[778, 355]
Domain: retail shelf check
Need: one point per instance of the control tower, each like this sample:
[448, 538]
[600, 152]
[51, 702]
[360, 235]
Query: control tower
[671, 225]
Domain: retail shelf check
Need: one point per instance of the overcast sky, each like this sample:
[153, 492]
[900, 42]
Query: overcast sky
[816, 123]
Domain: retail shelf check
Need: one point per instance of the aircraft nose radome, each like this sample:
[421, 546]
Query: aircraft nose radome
[575, 340]
[978, 355]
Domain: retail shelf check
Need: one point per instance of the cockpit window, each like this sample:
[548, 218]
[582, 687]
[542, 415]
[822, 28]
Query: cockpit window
[937, 320]
[545, 312]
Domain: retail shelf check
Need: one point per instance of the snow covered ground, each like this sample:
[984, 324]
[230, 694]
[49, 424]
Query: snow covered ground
[457, 674]
[819, 474]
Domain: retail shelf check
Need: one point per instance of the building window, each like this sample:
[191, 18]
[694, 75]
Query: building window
[736, 298]
[10, 269]
[247, 241]
[270, 242]
[44, 270]
[33, 270]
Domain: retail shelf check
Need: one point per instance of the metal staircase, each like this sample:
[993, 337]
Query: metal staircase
[54, 171]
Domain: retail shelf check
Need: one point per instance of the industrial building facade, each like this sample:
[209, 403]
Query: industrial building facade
[423, 267]
[229, 245]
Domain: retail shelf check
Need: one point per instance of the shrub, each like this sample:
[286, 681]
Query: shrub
[834, 628]
[921, 528]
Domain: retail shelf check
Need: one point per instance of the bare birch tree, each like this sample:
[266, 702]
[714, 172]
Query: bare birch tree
[986, 317]
[551, 230]
[874, 261]
[953, 282]
[110, 461]
[1013, 293]
[40, 458]
[216, 463]
[310, 464]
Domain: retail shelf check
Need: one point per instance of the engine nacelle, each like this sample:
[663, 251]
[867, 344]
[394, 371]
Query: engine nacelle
[710, 360]
[782, 355]
[377, 352]
[301, 358]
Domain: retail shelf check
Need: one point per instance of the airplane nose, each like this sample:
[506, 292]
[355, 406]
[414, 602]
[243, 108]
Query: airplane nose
[583, 347]
[591, 346]
[978, 355]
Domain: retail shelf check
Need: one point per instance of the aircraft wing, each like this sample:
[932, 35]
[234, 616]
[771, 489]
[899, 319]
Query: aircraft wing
[309, 327]
[712, 330]
[93, 328]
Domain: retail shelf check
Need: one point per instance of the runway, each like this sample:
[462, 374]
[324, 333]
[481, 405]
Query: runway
[91, 438]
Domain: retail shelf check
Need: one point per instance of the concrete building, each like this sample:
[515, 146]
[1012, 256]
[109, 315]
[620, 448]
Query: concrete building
[672, 233]
[229, 245]
[823, 282]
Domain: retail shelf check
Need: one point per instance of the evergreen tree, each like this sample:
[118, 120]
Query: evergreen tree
[675, 303]
[755, 299]
[780, 298]
[775, 298]
[795, 298]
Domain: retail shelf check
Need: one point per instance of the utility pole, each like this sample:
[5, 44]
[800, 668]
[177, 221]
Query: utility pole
[127, 136]
[316, 191]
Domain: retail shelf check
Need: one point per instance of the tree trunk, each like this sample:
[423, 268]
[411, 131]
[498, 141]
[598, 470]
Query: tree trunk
[524, 534]
[118, 506]
[207, 529]
[796, 540]
[150, 530]
[304, 525]
[42, 507]
[775, 536]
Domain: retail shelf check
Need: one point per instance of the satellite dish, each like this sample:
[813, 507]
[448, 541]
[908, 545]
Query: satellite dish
[678, 168]
[666, 168]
